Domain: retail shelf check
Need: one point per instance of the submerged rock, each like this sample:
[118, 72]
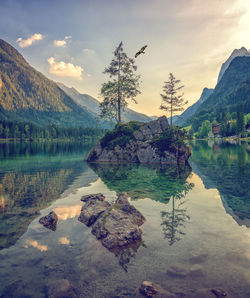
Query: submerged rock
[177, 271]
[149, 289]
[218, 292]
[49, 221]
[210, 293]
[62, 288]
[116, 225]
[140, 143]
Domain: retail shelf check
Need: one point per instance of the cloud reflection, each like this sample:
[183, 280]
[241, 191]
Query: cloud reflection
[64, 240]
[35, 244]
[67, 212]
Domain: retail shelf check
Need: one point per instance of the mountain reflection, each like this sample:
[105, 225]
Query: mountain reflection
[31, 182]
[226, 166]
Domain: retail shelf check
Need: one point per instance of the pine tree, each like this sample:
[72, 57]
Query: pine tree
[240, 119]
[171, 101]
[124, 85]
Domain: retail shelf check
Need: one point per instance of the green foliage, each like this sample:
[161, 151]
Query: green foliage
[204, 129]
[121, 135]
[172, 101]
[240, 119]
[24, 130]
[124, 86]
[170, 140]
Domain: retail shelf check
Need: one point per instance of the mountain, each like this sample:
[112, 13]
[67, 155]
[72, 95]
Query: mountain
[236, 53]
[84, 100]
[189, 112]
[232, 89]
[27, 95]
[92, 105]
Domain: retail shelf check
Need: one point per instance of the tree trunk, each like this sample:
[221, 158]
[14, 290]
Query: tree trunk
[119, 92]
[171, 111]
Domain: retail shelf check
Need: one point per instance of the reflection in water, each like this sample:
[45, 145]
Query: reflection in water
[35, 244]
[66, 212]
[226, 166]
[157, 182]
[174, 221]
[33, 148]
[31, 184]
[126, 254]
[63, 240]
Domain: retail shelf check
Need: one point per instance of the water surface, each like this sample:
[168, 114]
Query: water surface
[196, 218]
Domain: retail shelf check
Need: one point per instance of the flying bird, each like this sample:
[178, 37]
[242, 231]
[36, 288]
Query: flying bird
[141, 51]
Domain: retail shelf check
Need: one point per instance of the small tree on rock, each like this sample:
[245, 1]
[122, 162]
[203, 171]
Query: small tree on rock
[172, 101]
[124, 85]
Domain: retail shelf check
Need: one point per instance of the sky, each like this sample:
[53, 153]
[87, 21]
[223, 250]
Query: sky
[73, 41]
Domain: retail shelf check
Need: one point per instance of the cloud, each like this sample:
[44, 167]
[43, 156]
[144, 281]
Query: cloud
[63, 69]
[89, 51]
[23, 43]
[62, 43]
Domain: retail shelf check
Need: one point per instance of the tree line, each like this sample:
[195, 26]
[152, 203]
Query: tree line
[230, 124]
[30, 131]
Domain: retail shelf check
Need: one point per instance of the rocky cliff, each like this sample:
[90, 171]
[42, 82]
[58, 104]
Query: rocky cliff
[135, 142]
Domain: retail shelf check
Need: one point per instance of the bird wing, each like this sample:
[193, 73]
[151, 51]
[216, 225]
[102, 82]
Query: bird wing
[137, 54]
[140, 52]
[143, 48]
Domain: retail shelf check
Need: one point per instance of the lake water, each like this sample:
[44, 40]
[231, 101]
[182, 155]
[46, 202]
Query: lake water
[197, 219]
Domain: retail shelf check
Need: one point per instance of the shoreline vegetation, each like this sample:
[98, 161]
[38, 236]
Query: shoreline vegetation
[13, 131]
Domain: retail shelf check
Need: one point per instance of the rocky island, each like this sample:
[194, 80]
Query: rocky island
[137, 142]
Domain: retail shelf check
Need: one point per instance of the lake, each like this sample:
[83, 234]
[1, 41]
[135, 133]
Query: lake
[196, 233]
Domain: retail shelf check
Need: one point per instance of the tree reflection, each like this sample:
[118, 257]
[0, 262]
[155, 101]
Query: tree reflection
[157, 182]
[174, 221]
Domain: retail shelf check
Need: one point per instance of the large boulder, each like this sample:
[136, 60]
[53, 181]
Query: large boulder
[116, 225]
[138, 144]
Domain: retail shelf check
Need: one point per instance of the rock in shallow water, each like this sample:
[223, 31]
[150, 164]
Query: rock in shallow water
[149, 289]
[93, 197]
[140, 147]
[92, 210]
[116, 225]
[49, 221]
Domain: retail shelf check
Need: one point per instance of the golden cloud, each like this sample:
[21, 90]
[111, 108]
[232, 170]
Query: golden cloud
[64, 69]
[23, 43]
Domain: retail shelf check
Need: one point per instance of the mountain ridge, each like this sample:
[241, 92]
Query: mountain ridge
[26, 94]
[236, 53]
[92, 105]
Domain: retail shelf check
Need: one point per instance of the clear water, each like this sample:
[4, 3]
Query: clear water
[197, 217]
